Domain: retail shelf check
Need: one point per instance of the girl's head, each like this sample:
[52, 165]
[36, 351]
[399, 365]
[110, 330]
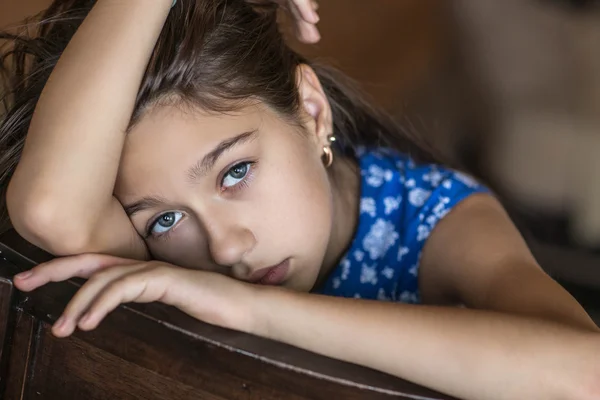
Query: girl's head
[222, 165]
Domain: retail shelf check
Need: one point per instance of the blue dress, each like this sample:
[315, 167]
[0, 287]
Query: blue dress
[401, 202]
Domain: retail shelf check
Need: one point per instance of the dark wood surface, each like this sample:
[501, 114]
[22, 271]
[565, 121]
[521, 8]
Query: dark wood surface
[156, 352]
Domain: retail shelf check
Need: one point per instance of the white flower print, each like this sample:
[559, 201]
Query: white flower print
[466, 179]
[422, 232]
[391, 204]
[434, 176]
[414, 270]
[381, 296]
[388, 272]
[357, 295]
[377, 175]
[380, 238]
[402, 252]
[368, 274]
[359, 255]
[408, 297]
[336, 283]
[345, 268]
[418, 196]
[410, 183]
[440, 210]
[447, 184]
[368, 206]
[431, 220]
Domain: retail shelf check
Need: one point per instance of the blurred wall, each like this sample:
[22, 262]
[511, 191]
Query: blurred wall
[13, 11]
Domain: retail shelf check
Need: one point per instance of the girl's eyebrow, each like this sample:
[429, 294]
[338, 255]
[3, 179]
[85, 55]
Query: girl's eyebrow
[203, 167]
[194, 173]
[143, 204]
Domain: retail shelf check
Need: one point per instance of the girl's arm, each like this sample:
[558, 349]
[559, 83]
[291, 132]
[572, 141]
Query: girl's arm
[534, 341]
[466, 353]
[475, 256]
[469, 354]
[60, 197]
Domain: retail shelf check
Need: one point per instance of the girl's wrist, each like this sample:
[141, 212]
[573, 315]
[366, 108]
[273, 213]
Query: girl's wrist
[265, 307]
[248, 311]
[215, 299]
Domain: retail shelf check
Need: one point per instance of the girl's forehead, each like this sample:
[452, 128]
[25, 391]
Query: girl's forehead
[171, 128]
[168, 140]
[169, 119]
[169, 131]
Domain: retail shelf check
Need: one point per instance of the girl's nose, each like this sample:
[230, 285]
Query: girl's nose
[228, 243]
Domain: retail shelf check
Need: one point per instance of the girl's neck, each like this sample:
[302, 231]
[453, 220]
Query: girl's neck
[345, 182]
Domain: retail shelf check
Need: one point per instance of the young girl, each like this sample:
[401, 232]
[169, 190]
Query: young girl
[184, 154]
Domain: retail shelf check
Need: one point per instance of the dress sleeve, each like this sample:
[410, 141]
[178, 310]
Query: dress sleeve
[429, 192]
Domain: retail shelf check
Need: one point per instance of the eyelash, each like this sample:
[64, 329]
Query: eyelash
[239, 186]
[245, 180]
[161, 236]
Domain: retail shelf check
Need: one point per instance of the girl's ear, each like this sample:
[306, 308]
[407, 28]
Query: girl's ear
[315, 106]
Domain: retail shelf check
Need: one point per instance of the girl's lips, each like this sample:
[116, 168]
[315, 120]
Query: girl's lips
[272, 275]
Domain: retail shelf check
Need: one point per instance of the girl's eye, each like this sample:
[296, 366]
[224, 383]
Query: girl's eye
[236, 174]
[165, 222]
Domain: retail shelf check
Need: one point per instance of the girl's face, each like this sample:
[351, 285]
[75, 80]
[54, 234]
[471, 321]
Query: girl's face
[233, 193]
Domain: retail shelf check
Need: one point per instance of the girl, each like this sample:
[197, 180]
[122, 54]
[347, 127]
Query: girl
[186, 155]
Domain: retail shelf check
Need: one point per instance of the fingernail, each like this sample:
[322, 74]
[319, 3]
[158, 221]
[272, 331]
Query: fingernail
[24, 275]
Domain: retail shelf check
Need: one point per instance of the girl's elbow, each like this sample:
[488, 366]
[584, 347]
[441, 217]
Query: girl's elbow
[43, 225]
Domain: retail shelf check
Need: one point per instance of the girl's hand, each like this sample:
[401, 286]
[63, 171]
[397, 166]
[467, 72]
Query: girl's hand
[210, 297]
[305, 17]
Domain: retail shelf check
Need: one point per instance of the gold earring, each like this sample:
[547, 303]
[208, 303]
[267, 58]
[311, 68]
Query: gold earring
[328, 156]
[328, 153]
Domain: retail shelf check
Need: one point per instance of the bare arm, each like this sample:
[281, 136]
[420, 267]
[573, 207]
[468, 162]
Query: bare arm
[475, 256]
[533, 341]
[60, 197]
[525, 346]
[467, 353]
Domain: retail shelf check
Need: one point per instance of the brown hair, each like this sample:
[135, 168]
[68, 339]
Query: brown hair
[214, 54]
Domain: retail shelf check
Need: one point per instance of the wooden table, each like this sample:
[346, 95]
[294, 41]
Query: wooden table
[156, 352]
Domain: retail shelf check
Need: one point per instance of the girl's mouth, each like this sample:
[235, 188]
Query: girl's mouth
[272, 275]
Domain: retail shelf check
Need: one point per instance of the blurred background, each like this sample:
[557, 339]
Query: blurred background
[509, 90]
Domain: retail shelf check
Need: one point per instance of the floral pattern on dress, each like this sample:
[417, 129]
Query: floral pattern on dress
[401, 203]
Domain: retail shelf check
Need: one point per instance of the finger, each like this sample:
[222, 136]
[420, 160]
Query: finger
[84, 298]
[141, 287]
[307, 33]
[304, 9]
[61, 269]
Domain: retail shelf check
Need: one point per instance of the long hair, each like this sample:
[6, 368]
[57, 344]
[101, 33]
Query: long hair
[214, 54]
